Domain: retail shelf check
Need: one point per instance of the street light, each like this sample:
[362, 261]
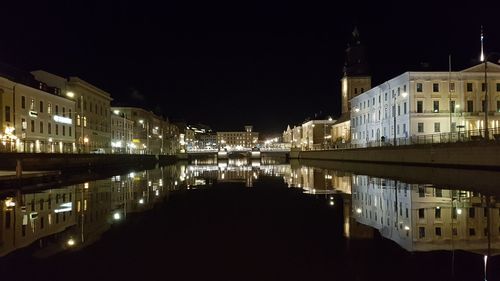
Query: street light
[71, 95]
[147, 134]
[486, 130]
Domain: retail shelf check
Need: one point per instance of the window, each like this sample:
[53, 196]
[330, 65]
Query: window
[454, 213]
[355, 91]
[399, 110]
[84, 121]
[406, 212]
[78, 119]
[57, 110]
[41, 127]
[437, 127]
[32, 123]
[438, 231]
[421, 213]
[435, 106]
[420, 128]
[470, 106]
[385, 97]
[69, 129]
[435, 87]
[64, 111]
[498, 105]
[49, 128]
[437, 213]
[57, 129]
[23, 102]
[472, 232]
[498, 87]
[472, 212]
[452, 87]
[454, 231]
[452, 106]
[69, 113]
[420, 106]
[7, 114]
[483, 106]
[32, 104]
[469, 87]
[421, 232]
[483, 87]
[64, 130]
[41, 107]
[404, 108]
[362, 90]
[49, 108]
[419, 88]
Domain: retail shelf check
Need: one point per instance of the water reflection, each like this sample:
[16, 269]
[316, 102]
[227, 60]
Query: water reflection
[76, 216]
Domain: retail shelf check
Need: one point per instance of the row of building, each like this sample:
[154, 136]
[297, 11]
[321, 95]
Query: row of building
[438, 105]
[44, 112]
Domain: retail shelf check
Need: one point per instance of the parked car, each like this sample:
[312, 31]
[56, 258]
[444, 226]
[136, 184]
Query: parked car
[97, 151]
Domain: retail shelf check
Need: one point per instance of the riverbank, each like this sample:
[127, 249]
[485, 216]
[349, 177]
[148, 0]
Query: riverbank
[26, 169]
[471, 155]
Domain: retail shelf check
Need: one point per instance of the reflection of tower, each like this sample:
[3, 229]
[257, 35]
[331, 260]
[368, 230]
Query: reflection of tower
[356, 77]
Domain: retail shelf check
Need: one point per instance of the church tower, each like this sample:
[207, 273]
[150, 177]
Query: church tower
[356, 79]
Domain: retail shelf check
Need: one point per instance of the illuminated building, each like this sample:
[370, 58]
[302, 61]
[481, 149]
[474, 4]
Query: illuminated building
[238, 140]
[91, 112]
[152, 134]
[415, 104]
[356, 80]
[122, 132]
[316, 133]
[34, 116]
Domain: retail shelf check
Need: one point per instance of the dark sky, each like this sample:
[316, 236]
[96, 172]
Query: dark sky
[227, 64]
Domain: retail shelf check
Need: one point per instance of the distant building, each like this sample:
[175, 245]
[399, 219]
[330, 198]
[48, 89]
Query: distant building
[415, 104]
[238, 140]
[316, 134]
[356, 80]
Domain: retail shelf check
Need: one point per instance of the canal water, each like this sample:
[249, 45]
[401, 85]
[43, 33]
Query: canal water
[264, 220]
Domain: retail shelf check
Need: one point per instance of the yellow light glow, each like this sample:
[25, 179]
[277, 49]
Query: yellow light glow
[71, 242]
[70, 94]
[358, 210]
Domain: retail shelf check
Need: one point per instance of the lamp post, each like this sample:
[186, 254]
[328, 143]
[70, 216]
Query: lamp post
[486, 129]
[146, 151]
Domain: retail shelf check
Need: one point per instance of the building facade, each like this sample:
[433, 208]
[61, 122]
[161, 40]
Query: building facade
[316, 134]
[122, 133]
[92, 110]
[34, 117]
[238, 140]
[427, 106]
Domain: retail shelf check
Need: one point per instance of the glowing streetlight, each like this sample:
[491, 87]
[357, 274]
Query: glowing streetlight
[70, 94]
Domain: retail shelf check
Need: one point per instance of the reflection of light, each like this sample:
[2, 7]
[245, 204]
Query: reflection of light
[65, 207]
[407, 227]
[332, 203]
[459, 211]
[175, 183]
[149, 183]
[117, 216]
[157, 192]
[131, 175]
[71, 242]
[141, 201]
[438, 207]
[358, 210]
[86, 185]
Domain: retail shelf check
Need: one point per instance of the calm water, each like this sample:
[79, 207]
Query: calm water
[266, 220]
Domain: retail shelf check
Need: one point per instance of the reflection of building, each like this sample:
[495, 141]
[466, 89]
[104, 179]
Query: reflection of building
[316, 180]
[422, 103]
[238, 140]
[423, 218]
[34, 117]
[77, 215]
[26, 218]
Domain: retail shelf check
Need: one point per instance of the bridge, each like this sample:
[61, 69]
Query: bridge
[241, 152]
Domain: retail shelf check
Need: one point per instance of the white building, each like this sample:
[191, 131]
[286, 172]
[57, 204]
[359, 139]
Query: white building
[122, 132]
[34, 117]
[431, 104]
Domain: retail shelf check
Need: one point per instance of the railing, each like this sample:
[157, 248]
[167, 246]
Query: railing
[471, 136]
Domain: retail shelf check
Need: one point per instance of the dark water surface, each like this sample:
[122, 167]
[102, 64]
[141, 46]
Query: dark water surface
[240, 220]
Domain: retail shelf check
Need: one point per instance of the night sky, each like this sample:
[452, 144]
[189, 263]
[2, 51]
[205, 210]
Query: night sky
[227, 64]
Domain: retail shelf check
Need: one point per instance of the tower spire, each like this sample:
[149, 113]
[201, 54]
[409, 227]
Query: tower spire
[481, 57]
